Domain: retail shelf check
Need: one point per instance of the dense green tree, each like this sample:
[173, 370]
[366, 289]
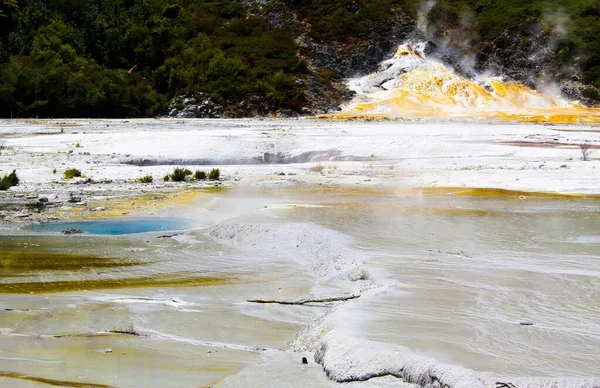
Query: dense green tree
[118, 58]
[7, 4]
[122, 58]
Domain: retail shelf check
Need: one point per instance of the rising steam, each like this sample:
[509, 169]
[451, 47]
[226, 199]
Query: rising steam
[412, 85]
[423, 15]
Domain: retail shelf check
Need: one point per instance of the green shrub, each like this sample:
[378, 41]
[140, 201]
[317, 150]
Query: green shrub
[8, 181]
[318, 168]
[179, 174]
[328, 75]
[72, 173]
[214, 174]
[166, 178]
[200, 175]
[590, 93]
[146, 179]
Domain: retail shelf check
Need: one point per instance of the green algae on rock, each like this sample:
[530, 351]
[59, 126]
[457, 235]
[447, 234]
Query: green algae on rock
[26, 262]
[56, 383]
[182, 279]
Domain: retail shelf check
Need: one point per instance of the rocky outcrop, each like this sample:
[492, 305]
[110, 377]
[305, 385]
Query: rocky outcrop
[525, 54]
[331, 61]
[196, 106]
[362, 57]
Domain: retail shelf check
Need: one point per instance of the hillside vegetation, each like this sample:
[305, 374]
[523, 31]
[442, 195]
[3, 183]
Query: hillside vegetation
[119, 58]
[130, 58]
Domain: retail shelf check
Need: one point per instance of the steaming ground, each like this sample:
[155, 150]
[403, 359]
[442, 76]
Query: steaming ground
[393, 154]
[453, 282]
[412, 85]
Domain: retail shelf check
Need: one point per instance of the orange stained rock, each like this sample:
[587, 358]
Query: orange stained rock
[429, 89]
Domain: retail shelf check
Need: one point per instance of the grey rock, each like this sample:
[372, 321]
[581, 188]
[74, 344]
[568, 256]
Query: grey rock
[72, 231]
[74, 198]
[196, 105]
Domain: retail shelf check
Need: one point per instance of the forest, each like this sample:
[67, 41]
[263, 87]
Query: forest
[130, 58]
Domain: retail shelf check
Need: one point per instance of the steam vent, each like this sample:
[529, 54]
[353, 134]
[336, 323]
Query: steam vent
[410, 85]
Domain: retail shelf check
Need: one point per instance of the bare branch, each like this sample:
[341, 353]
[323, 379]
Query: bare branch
[585, 150]
[301, 302]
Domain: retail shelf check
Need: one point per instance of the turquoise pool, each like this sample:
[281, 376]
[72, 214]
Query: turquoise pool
[114, 227]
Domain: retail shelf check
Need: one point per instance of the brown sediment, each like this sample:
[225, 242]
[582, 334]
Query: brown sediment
[579, 115]
[49, 122]
[575, 129]
[435, 191]
[492, 192]
[544, 144]
[56, 383]
[455, 211]
[19, 262]
[576, 118]
[352, 117]
[185, 279]
[342, 190]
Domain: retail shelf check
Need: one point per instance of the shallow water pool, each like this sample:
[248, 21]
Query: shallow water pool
[114, 227]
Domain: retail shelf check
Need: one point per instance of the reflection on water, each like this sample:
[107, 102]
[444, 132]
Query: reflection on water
[466, 270]
[469, 270]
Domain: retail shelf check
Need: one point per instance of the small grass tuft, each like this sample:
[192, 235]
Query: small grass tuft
[146, 179]
[8, 181]
[214, 174]
[200, 175]
[72, 173]
[179, 174]
[318, 168]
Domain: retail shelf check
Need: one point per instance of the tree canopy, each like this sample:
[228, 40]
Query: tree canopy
[128, 58]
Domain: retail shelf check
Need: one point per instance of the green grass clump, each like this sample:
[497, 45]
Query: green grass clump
[214, 174]
[146, 179]
[8, 181]
[179, 174]
[318, 168]
[200, 175]
[72, 173]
